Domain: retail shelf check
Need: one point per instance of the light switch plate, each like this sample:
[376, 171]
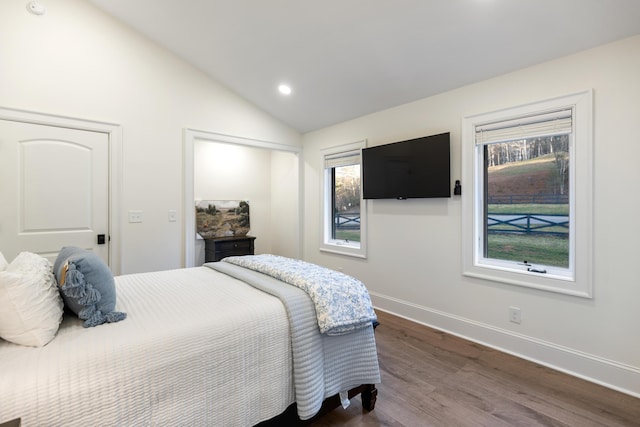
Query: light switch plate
[135, 216]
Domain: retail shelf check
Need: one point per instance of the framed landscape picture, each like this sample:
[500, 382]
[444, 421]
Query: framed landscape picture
[222, 218]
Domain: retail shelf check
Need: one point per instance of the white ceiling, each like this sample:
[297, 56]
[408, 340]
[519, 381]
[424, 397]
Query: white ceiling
[347, 58]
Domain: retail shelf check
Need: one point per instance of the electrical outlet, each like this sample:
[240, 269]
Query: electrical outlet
[515, 315]
[135, 216]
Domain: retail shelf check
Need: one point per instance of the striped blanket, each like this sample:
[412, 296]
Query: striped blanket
[323, 365]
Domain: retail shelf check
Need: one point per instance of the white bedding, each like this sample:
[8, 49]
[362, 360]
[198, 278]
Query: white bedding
[193, 358]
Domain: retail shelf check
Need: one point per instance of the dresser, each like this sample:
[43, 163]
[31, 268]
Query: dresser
[220, 247]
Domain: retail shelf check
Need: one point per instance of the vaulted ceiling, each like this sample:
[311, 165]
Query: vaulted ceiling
[347, 58]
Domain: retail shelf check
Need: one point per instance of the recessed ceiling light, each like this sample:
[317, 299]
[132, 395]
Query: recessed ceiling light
[36, 8]
[284, 89]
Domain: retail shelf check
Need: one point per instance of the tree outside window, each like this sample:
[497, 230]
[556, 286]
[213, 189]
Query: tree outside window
[346, 203]
[527, 201]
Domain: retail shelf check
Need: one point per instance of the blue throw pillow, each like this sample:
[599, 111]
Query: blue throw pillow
[87, 286]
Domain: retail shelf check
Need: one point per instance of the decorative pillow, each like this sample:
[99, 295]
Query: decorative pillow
[87, 286]
[30, 304]
[3, 262]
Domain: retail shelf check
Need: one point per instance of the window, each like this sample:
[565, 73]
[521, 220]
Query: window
[528, 213]
[343, 218]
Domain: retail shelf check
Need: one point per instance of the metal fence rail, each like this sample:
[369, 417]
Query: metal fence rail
[496, 223]
[349, 221]
[528, 223]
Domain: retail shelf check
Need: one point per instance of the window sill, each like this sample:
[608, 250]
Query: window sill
[344, 250]
[544, 282]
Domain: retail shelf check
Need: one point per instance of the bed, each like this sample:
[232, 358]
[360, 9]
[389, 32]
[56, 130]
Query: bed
[220, 344]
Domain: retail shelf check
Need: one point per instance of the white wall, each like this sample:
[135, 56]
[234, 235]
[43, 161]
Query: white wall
[267, 179]
[414, 246]
[76, 61]
[286, 233]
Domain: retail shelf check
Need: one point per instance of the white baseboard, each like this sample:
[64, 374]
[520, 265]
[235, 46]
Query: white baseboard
[608, 373]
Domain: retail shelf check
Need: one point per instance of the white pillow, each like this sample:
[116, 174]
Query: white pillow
[30, 304]
[3, 262]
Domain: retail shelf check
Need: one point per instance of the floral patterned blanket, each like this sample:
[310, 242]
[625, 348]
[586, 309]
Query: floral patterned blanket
[342, 302]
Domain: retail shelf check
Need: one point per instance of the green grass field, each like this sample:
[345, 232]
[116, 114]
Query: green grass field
[536, 249]
[350, 235]
[516, 178]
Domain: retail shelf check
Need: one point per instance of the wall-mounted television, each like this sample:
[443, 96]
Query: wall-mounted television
[415, 168]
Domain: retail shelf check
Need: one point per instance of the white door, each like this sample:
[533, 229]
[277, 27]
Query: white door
[54, 189]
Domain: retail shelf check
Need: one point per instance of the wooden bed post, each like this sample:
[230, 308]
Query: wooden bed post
[369, 396]
[369, 393]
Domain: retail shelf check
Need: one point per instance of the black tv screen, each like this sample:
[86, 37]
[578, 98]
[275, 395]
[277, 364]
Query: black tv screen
[416, 168]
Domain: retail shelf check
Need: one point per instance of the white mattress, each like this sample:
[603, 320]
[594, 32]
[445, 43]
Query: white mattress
[197, 348]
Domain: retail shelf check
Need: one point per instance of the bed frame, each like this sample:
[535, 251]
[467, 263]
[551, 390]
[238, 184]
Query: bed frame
[368, 394]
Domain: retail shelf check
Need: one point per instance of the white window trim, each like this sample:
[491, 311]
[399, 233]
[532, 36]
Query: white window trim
[580, 284]
[341, 247]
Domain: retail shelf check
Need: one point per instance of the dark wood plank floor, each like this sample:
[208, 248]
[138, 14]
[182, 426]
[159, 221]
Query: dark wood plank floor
[430, 378]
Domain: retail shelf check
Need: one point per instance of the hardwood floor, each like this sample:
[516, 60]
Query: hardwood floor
[430, 378]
